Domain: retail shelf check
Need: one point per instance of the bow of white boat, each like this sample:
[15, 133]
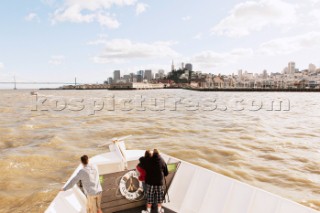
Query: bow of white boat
[193, 189]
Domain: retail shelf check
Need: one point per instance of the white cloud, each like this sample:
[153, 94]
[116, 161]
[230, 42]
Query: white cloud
[186, 18]
[198, 36]
[1, 65]
[288, 45]
[140, 8]
[315, 1]
[119, 50]
[107, 20]
[31, 17]
[252, 16]
[211, 59]
[315, 15]
[57, 60]
[48, 2]
[84, 11]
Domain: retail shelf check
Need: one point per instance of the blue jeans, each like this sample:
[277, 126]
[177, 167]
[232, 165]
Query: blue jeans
[144, 186]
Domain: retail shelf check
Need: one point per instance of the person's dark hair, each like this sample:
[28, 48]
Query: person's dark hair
[156, 153]
[142, 159]
[147, 154]
[84, 159]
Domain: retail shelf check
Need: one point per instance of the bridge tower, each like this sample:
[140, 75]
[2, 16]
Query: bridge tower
[14, 82]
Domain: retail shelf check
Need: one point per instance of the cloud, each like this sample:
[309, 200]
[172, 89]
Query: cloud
[186, 18]
[140, 8]
[31, 17]
[315, 16]
[315, 1]
[210, 59]
[251, 16]
[198, 36]
[83, 11]
[48, 2]
[120, 50]
[57, 60]
[288, 45]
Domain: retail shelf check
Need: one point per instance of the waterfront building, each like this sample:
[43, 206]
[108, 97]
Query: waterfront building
[121, 85]
[134, 79]
[265, 74]
[126, 78]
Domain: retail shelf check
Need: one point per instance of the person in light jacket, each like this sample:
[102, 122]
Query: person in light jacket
[90, 180]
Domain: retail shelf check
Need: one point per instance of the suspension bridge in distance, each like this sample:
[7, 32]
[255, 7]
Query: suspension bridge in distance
[15, 83]
[61, 83]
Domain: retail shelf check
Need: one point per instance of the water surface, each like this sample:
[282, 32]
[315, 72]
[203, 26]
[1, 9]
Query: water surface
[277, 150]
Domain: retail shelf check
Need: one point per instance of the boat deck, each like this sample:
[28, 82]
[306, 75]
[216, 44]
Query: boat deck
[191, 188]
[139, 209]
[114, 202]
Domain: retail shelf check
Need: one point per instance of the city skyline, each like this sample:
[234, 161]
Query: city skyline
[291, 68]
[62, 39]
[290, 79]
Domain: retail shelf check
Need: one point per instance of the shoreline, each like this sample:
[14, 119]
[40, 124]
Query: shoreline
[200, 89]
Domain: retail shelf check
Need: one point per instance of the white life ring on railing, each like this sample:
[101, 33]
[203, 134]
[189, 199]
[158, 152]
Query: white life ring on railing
[130, 186]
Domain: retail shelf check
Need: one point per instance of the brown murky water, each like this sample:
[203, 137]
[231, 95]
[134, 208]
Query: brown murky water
[277, 150]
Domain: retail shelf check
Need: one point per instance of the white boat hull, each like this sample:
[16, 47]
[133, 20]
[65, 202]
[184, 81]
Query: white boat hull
[193, 190]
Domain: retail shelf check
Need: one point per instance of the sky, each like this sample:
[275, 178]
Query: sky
[58, 40]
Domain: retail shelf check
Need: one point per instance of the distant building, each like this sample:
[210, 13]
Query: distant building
[265, 74]
[172, 66]
[116, 76]
[240, 74]
[110, 80]
[249, 75]
[312, 68]
[141, 72]
[139, 78]
[134, 79]
[126, 78]
[121, 85]
[148, 75]
[285, 70]
[161, 74]
[132, 76]
[189, 67]
[291, 68]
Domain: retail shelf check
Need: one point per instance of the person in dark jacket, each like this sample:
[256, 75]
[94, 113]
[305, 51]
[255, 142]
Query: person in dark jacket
[141, 168]
[156, 171]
